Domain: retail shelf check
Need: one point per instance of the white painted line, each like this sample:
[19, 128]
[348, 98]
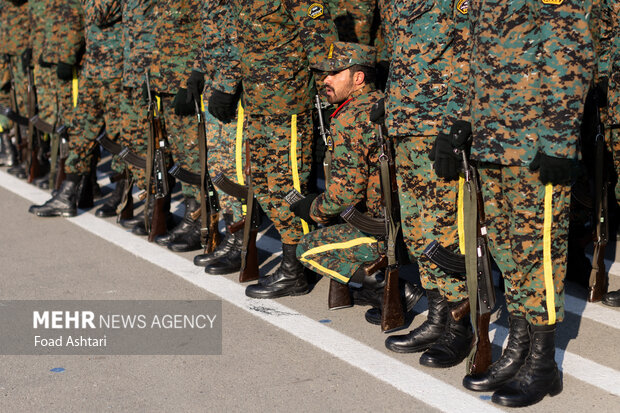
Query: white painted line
[406, 378]
[593, 311]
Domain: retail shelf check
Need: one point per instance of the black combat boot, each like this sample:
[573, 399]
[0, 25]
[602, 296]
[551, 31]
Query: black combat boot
[63, 203]
[191, 205]
[18, 170]
[507, 366]
[539, 376]
[224, 247]
[612, 299]
[288, 279]
[228, 259]
[410, 295]
[130, 223]
[85, 195]
[371, 292]
[186, 236]
[108, 209]
[453, 345]
[426, 334]
[8, 153]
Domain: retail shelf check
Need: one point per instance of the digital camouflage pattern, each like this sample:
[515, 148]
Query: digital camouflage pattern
[134, 128]
[65, 32]
[100, 86]
[343, 55]
[338, 251]
[515, 118]
[427, 93]
[14, 37]
[514, 208]
[138, 40]
[353, 19]
[355, 160]
[551, 43]
[278, 40]
[178, 27]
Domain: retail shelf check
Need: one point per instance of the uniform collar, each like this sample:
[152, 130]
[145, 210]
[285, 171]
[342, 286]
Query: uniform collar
[363, 91]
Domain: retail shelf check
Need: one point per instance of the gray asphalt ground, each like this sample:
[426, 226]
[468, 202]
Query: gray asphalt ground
[262, 367]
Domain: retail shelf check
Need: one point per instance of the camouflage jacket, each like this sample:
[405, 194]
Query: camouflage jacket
[103, 57]
[355, 161]
[138, 40]
[531, 65]
[278, 39]
[219, 46]
[421, 65]
[38, 17]
[14, 28]
[602, 29]
[64, 32]
[177, 42]
[353, 19]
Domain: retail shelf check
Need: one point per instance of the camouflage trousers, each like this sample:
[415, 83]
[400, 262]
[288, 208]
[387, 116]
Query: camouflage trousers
[134, 129]
[98, 106]
[281, 152]
[337, 251]
[615, 150]
[429, 212]
[47, 100]
[226, 155]
[183, 142]
[527, 223]
[21, 93]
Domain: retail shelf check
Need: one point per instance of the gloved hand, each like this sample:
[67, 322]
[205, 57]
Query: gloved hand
[377, 113]
[301, 208]
[601, 88]
[64, 71]
[383, 71]
[446, 151]
[223, 105]
[26, 59]
[195, 86]
[183, 107]
[556, 171]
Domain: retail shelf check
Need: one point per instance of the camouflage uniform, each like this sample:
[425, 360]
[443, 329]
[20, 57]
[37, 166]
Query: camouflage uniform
[224, 140]
[338, 251]
[277, 41]
[518, 117]
[100, 85]
[354, 19]
[426, 95]
[138, 43]
[176, 49]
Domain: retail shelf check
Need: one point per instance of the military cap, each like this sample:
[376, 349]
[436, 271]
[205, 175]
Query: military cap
[343, 55]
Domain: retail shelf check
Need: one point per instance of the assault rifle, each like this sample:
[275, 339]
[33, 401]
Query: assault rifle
[250, 223]
[598, 282]
[13, 114]
[156, 169]
[124, 209]
[34, 168]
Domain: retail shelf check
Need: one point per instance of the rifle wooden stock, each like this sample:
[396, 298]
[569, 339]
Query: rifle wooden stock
[214, 238]
[339, 295]
[483, 358]
[392, 313]
[34, 167]
[159, 217]
[461, 311]
[250, 272]
[236, 226]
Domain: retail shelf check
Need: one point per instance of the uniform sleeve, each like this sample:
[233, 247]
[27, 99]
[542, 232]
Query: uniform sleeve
[220, 57]
[66, 39]
[567, 67]
[349, 171]
[318, 30]
[102, 12]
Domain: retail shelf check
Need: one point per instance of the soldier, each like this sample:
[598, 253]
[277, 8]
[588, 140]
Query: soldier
[176, 48]
[353, 19]
[277, 42]
[224, 140]
[425, 100]
[525, 142]
[97, 105]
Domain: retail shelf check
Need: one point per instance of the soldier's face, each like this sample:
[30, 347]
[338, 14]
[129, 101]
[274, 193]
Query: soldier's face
[339, 86]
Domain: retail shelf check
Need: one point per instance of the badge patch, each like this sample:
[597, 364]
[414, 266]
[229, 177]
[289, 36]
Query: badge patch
[315, 10]
[463, 6]
[556, 2]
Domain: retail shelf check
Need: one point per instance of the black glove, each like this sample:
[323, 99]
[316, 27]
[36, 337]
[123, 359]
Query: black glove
[18, 2]
[64, 71]
[552, 170]
[43, 63]
[183, 107]
[301, 208]
[195, 86]
[26, 59]
[383, 71]
[446, 152]
[377, 113]
[223, 105]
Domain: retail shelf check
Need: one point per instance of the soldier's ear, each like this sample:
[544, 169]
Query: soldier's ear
[359, 78]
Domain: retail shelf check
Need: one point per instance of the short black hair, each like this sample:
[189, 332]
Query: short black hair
[370, 74]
